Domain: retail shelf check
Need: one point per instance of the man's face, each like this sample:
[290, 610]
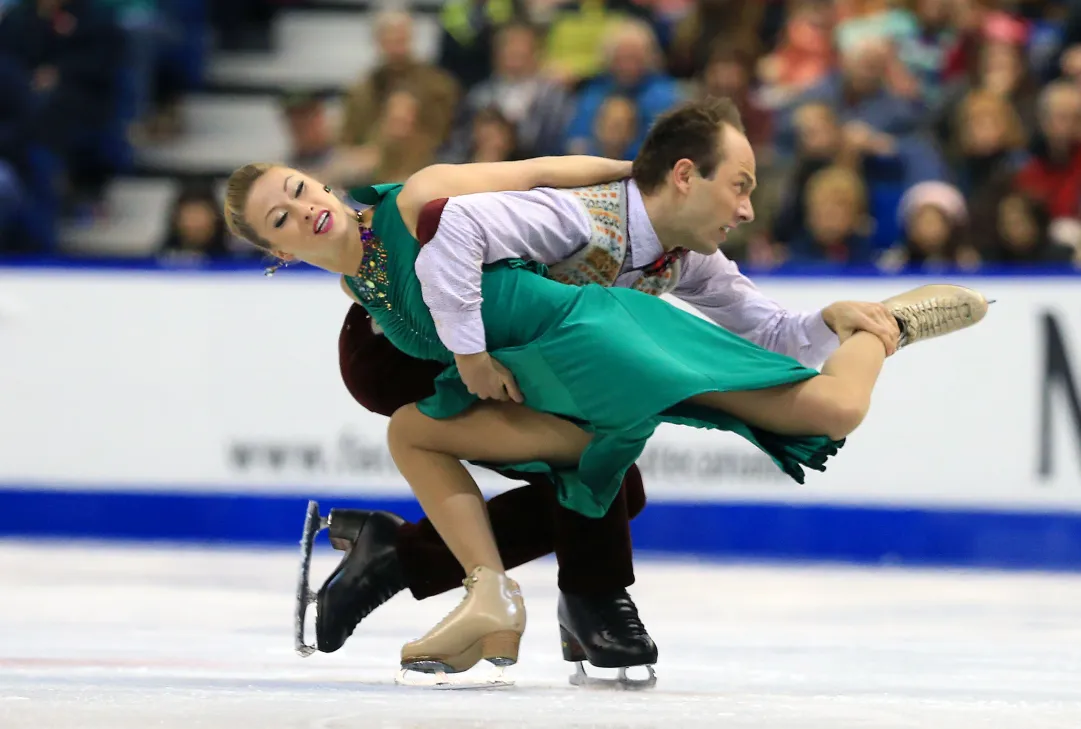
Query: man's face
[630, 60]
[396, 43]
[819, 135]
[1061, 120]
[726, 78]
[865, 67]
[714, 206]
[516, 53]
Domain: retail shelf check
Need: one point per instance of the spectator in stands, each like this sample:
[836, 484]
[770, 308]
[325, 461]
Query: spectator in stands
[1016, 231]
[837, 220]
[818, 147]
[928, 54]
[1002, 68]
[890, 23]
[1053, 175]
[666, 15]
[804, 56]
[728, 73]
[144, 38]
[404, 144]
[991, 142]
[1005, 69]
[197, 229]
[880, 131]
[311, 138]
[934, 226]
[576, 33]
[495, 138]
[73, 51]
[365, 103]
[467, 38]
[537, 106]
[857, 93]
[615, 129]
[633, 69]
[1067, 61]
[712, 23]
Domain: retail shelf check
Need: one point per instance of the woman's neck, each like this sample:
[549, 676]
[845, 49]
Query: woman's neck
[347, 259]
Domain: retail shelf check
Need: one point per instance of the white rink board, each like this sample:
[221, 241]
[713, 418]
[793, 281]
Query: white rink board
[165, 380]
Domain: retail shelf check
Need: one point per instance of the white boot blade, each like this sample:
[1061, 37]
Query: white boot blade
[622, 682]
[440, 680]
[313, 523]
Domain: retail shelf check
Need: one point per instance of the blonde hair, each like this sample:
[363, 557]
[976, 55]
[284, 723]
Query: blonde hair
[237, 190]
[835, 183]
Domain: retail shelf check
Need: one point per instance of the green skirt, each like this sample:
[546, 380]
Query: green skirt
[619, 363]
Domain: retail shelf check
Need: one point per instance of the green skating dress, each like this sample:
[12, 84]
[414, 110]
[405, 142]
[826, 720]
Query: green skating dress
[616, 361]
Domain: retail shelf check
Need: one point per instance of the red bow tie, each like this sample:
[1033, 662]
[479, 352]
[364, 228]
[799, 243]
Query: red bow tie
[664, 262]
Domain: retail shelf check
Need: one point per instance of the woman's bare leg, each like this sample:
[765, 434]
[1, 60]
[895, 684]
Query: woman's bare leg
[833, 404]
[429, 454]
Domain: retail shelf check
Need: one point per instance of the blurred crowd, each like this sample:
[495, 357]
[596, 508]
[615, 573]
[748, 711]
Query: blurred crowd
[83, 83]
[901, 134]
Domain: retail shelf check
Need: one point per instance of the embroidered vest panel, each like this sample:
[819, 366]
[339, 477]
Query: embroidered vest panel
[601, 260]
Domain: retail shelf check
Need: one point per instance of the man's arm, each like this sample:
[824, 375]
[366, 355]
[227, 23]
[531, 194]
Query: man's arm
[715, 286]
[438, 181]
[460, 234]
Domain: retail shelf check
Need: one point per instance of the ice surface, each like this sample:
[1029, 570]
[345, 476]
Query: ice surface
[107, 637]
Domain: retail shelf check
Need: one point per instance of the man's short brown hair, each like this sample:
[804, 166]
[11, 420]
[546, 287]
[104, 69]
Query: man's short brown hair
[689, 131]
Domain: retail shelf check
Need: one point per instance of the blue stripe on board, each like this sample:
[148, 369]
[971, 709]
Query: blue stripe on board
[255, 266]
[752, 531]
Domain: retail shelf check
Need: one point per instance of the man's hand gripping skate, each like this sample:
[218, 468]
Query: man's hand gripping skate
[846, 318]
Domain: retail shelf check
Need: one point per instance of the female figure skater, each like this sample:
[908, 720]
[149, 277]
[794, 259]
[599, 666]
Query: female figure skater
[582, 374]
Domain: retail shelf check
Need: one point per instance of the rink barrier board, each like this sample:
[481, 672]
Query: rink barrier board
[1003, 490]
[728, 531]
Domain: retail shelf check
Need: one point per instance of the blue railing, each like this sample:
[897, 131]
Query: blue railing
[256, 266]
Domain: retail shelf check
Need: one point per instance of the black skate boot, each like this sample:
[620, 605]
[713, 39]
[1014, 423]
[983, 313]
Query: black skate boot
[607, 632]
[367, 576]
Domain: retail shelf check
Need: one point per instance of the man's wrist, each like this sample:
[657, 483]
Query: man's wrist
[469, 361]
[827, 318]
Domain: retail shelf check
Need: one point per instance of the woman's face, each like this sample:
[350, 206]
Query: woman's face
[832, 217]
[929, 230]
[617, 123]
[1016, 224]
[297, 215]
[986, 133]
[492, 138]
[196, 222]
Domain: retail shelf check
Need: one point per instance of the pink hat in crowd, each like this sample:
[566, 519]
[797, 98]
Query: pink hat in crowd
[943, 196]
[1002, 27]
